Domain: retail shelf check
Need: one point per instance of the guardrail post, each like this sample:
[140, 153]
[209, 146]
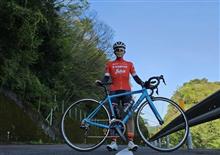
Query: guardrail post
[75, 114]
[39, 105]
[51, 117]
[70, 113]
[62, 106]
[159, 142]
[8, 135]
[189, 138]
[168, 140]
[189, 141]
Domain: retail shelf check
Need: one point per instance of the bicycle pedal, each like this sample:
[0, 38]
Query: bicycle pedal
[133, 149]
[110, 149]
[83, 126]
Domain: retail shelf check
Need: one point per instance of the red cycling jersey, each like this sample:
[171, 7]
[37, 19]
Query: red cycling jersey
[119, 71]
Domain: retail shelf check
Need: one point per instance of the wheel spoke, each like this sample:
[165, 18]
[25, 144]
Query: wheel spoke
[151, 131]
[79, 134]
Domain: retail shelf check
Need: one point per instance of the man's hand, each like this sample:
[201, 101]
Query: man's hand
[148, 85]
[142, 83]
[98, 82]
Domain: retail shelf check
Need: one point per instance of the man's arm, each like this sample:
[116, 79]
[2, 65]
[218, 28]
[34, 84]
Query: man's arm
[105, 79]
[138, 80]
[135, 76]
[107, 75]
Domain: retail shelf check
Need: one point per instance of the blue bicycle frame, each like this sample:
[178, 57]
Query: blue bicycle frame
[144, 95]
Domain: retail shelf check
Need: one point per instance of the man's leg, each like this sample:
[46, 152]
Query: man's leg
[130, 135]
[113, 146]
[130, 129]
[128, 101]
[117, 113]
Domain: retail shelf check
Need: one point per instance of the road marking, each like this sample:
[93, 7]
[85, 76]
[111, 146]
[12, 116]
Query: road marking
[125, 152]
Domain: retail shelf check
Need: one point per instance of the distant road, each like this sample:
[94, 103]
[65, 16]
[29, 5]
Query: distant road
[66, 150]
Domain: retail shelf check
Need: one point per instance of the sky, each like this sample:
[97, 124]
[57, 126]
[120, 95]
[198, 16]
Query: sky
[176, 38]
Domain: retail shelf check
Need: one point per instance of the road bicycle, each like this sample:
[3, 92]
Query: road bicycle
[160, 122]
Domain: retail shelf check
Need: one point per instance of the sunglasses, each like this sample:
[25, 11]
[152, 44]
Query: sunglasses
[119, 50]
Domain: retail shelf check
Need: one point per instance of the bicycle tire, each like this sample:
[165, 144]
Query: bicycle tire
[70, 126]
[148, 126]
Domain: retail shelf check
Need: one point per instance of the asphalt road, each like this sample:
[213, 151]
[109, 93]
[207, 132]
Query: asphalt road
[66, 150]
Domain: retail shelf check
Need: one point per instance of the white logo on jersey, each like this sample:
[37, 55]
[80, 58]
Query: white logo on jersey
[120, 66]
[119, 71]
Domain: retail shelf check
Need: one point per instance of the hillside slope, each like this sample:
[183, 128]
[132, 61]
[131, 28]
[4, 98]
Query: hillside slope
[20, 123]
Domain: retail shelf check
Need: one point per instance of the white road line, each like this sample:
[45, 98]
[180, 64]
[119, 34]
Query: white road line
[125, 152]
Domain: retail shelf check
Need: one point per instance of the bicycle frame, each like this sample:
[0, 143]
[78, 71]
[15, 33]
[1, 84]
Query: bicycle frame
[144, 95]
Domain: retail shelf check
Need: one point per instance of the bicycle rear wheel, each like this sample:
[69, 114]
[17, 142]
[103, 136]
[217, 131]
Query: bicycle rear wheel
[85, 136]
[171, 134]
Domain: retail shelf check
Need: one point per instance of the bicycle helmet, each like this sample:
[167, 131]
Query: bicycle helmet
[119, 44]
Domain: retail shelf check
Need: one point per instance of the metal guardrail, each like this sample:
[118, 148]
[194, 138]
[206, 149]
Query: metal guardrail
[205, 111]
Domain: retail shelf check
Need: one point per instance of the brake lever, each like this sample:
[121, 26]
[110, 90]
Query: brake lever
[162, 78]
[164, 81]
[157, 91]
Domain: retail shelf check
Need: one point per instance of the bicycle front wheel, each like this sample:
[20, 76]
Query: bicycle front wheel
[165, 137]
[85, 135]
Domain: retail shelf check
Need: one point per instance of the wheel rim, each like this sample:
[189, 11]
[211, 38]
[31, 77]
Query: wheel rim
[148, 126]
[82, 139]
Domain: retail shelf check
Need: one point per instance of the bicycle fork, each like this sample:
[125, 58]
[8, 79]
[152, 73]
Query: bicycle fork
[153, 108]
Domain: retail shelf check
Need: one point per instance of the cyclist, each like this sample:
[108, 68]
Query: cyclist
[119, 71]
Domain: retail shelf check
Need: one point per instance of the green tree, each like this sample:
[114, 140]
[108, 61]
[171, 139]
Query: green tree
[51, 49]
[205, 135]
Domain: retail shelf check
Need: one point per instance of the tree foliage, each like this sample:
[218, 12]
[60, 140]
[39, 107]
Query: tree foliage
[51, 51]
[205, 135]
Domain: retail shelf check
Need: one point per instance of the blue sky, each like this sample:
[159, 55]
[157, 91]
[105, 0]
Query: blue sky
[176, 38]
